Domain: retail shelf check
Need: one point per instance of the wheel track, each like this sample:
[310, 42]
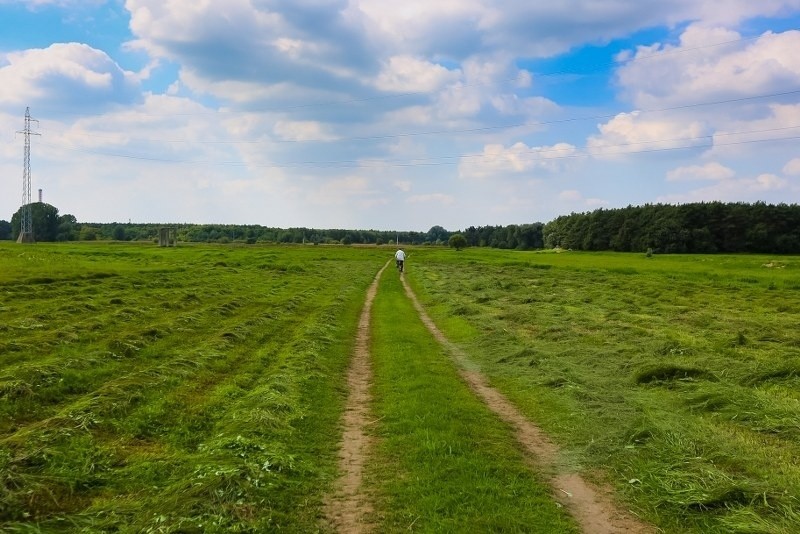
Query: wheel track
[348, 508]
[591, 506]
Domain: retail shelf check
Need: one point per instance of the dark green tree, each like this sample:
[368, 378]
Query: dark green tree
[694, 228]
[529, 236]
[44, 222]
[457, 241]
[438, 235]
[118, 233]
[67, 228]
[5, 230]
[89, 233]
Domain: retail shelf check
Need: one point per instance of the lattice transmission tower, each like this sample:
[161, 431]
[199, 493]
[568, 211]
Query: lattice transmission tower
[25, 214]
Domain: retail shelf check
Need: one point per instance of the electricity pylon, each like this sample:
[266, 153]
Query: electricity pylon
[25, 215]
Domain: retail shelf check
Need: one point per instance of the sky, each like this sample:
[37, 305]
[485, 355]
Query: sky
[368, 114]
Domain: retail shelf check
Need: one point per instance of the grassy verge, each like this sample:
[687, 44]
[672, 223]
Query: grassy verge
[196, 389]
[675, 378]
[444, 462]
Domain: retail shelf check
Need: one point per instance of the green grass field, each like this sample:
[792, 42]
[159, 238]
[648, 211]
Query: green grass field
[189, 389]
[444, 462]
[674, 378]
[200, 389]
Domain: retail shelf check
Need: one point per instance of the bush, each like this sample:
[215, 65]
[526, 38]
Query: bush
[457, 241]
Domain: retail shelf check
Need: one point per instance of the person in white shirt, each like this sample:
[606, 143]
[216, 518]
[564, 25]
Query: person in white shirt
[400, 258]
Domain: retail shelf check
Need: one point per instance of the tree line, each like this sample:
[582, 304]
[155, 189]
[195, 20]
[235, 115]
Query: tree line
[48, 225]
[705, 227]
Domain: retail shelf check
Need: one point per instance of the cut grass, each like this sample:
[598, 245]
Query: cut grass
[444, 462]
[197, 389]
[672, 377]
[200, 388]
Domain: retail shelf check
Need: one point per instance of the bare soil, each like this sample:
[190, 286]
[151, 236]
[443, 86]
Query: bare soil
[592, 506]
[348, 508]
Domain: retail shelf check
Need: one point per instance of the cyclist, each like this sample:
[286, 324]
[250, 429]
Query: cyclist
[400, 258]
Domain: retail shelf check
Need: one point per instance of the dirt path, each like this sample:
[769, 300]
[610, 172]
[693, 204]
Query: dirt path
[347, 509]
[591, 506]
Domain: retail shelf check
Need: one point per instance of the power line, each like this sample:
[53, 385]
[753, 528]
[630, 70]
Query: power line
[481, 129]
[585, 151]
[539, 150]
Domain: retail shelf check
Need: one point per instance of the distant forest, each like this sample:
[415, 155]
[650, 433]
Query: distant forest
[694, 228]
[660, 228]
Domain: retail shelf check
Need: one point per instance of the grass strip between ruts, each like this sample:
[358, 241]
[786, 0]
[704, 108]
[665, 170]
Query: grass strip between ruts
[443, 462]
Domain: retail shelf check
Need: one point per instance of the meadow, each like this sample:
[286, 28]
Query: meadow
[194, 389]
[443, 462]
[675, 379]
[200, 388]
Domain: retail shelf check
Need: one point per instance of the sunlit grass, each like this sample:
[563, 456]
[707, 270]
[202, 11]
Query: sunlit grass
[673, 377]
[444, 462]
[188, 389]
[200, 388]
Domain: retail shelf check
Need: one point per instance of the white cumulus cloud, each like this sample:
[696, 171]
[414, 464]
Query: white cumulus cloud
[792, 168]
[692, 72]
[497, 160]
[67, 75]
[770, 182]
[636, 132]
[406, 73]
[709, 171]
[763, 187]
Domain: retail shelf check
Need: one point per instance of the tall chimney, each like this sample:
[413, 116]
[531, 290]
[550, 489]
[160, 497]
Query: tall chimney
[40, 196]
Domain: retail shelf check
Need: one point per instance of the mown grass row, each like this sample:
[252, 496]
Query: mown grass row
[443, 461]
[210, 405]
[143, 344]
[673, 378]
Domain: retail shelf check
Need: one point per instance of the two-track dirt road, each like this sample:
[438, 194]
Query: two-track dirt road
[348, 509]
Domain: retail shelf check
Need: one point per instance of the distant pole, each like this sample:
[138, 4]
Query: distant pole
[26, 217]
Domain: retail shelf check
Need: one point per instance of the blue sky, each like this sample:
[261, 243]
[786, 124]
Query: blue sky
[368, 114]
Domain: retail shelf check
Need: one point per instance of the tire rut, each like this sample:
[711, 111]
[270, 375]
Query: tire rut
[348, 508]
[592, 507]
